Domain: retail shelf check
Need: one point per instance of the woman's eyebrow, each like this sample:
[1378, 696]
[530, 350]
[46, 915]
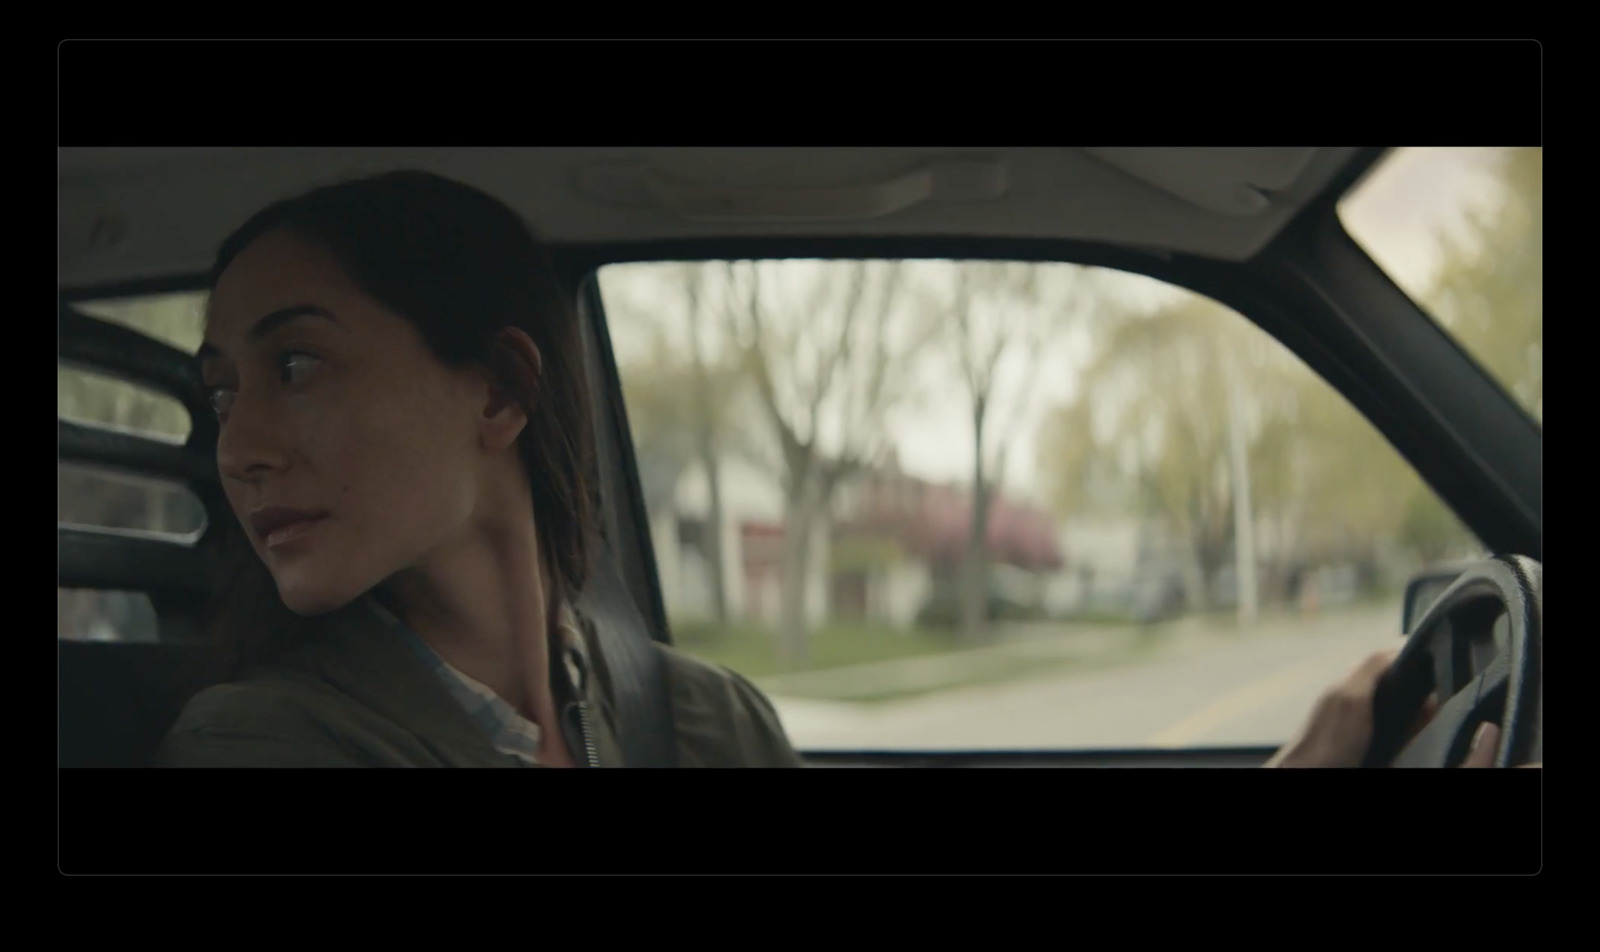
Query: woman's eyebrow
[270, 323]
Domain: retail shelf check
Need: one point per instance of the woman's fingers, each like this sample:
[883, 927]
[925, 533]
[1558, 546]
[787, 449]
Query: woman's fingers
[1484, 745]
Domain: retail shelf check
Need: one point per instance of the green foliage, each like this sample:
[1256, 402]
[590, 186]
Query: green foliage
[1430, 529]
[678, 405]
[1155, 412]
[754, 651]
[864, 553]
[667, 422]
[1155, 406]
[1490, 292]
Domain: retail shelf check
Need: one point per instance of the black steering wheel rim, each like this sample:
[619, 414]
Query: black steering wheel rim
[1479, 648]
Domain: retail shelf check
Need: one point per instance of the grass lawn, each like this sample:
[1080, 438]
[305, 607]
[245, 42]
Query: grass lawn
[834, 651]
[990, 670]
[753, 651]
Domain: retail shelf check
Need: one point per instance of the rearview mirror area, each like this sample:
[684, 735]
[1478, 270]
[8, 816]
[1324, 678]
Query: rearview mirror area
[1423, 590]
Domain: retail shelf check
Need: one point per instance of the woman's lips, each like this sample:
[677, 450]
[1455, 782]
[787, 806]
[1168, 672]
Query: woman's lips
[280, 525]
[292, 532]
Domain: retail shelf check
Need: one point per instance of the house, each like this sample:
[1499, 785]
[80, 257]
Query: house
[907, 538]
[890, 541]
[751, 534]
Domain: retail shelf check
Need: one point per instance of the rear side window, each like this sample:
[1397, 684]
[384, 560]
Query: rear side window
[113, 500]
[88, 615]
[103, 499]
[176, 319]
[84, 396]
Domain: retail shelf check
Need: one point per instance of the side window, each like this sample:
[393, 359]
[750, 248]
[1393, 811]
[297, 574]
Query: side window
[1461, 230]
[934, 504]
[104, 499]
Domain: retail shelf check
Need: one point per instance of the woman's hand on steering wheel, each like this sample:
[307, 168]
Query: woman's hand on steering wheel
[1339, 730]
[1485, 743]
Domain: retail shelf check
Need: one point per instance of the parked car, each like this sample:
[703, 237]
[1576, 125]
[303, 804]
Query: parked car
[943, 609]
[1157, 597]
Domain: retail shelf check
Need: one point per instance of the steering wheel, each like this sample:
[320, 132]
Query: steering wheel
[1480, 649]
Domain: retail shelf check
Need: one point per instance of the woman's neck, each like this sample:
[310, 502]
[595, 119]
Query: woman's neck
[485, 604]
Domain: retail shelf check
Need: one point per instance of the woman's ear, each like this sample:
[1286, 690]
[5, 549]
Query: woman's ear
[515, 372]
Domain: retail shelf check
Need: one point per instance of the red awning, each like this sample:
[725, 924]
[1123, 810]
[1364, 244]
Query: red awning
[937, 530]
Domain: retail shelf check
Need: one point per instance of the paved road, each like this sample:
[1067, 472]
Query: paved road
[1203, 689]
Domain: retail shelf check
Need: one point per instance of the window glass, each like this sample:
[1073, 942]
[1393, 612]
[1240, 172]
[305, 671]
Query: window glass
[1183, 534]
[176, 319]
[1461, 230]
[84, 614]
[105, 499]
[89, 496]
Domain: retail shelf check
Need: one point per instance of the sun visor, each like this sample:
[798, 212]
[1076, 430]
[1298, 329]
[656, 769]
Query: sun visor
[1234, 182]
[645, 185]
[88, 226]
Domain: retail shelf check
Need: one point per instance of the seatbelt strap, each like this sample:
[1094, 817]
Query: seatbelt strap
[643, 701]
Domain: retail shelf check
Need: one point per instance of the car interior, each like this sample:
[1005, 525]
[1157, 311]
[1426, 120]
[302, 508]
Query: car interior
[1254, 228]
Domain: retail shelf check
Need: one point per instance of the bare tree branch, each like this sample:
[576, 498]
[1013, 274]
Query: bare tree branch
[790, 445]
[880, 357]
[829, 360]
[963, 314]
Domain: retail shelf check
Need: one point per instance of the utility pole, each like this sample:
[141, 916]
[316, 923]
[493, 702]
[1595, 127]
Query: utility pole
[1244, 536]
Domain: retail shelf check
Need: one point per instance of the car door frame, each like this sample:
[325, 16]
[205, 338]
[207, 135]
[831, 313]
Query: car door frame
[1313, 289]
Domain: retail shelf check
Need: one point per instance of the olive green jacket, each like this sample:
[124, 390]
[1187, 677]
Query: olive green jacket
[359, 697]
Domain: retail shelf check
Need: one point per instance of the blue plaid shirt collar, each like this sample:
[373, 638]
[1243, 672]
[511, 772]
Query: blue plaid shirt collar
[507, 729]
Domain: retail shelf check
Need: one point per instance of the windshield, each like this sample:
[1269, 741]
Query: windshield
[1461, 230]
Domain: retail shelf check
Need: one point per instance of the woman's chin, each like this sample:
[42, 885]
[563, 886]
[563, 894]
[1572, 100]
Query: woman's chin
[310, 601]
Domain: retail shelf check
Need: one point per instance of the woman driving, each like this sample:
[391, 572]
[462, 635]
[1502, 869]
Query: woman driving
[404, 442]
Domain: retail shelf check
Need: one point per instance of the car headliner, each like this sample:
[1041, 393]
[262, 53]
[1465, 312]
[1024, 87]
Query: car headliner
[132, 214]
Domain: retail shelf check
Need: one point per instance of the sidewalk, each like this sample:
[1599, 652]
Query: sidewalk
[1047, 648]
[1016, 654]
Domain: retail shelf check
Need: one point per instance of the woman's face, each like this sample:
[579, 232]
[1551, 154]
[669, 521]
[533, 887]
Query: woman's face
[347, 450]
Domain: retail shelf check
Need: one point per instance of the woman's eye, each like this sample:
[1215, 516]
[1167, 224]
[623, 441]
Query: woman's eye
[296, 365]
[220, 400]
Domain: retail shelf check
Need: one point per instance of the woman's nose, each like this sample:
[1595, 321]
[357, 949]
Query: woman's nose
[250, 443]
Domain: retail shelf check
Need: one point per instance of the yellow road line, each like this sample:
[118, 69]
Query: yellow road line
[1306, 676]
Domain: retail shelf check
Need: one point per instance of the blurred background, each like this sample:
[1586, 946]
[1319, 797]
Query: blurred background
[993, 505]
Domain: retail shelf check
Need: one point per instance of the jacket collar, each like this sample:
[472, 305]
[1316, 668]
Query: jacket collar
[363, 651]
[359, 653]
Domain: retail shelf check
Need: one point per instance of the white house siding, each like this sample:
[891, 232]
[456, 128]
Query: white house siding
[669, 561]
[816, 606]
[1101, 555]
[749, 495]
[899, 593]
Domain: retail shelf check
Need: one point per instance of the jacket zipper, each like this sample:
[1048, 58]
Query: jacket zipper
[588, 737]
[578, 685]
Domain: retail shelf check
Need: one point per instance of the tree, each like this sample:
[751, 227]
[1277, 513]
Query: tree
[1354, 487]
[1489, 293]
[1156, 409]
[707, 445]
[1181, 402]
[828, 347]
[683, 404]
[1003, 316]
[1490, 290]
